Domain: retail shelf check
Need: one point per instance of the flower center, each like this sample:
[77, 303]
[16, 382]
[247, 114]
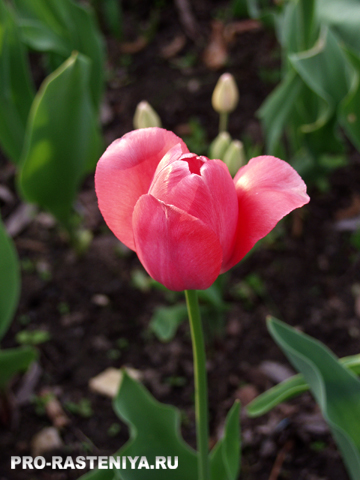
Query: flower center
[194, 162]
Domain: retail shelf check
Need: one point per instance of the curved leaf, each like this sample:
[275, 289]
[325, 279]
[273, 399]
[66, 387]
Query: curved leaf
[290, 388]
[343, 18]
[225, 456]
[154, 431]
[335, 388]
[326, 71]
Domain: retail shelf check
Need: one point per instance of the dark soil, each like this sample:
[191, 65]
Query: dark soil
[307, 274]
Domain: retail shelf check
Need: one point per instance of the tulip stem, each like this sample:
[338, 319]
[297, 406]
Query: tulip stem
[201, 397]
[223, 123]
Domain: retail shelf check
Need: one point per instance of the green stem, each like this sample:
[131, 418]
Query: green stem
[224, 116]
[201, 399]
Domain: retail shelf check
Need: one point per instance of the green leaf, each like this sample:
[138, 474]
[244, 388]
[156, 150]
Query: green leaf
[166, 320]
[335, 388]
[349, 111]
[225, 456]
[290, 388]
[154, 431]
[326, 71]
[62, 139]
[280, 393]
[278, 107]
[16, 89]
[343, 18]
[62, 26]
[41, 38]
[9, 280]
[15, 360]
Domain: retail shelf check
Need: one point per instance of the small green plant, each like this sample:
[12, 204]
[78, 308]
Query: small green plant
[40, 402]
[63, 308]
[114, 429]
[32, 337]
[83, 408]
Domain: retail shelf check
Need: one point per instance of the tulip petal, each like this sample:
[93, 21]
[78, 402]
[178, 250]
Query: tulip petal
[209, 195]
[176, 249]
[267, 189]
[124, 173]
[224, 202]
[175, 185]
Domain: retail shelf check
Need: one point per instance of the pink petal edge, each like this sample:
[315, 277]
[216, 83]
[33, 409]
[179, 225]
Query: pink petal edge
[124, 173]
[267, 189]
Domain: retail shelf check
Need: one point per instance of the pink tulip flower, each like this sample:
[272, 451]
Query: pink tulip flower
[183, 214]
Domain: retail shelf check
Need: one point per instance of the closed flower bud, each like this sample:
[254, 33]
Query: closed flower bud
[145, 116]
[219, 146]
[234, 157]
[226, 95]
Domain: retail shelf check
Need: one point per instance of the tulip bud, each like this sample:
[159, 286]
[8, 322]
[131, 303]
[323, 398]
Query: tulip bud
[219, 146]
[145, 116]
[226, 95]
[235, 157]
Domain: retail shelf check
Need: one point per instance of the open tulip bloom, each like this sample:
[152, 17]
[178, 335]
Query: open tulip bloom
[188, 220]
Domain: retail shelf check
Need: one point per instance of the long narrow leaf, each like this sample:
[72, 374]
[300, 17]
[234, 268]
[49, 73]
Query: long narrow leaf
[225, 456]
[290, 388]
[9, 280]
[16, 89]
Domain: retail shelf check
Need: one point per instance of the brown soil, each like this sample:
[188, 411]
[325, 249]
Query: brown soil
[307, 272]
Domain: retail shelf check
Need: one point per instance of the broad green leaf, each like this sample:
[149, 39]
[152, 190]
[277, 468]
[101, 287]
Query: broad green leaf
[15, 360]
[166, 320]
[278, 107]
[226, 455]
[335, 388]
[344, 19]
[62, 26]
[325, 69]
[41, 38]
[154, 431]
[62, 139]
[290, 388]
[299, 26]
[16, 89]
[9, 280]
